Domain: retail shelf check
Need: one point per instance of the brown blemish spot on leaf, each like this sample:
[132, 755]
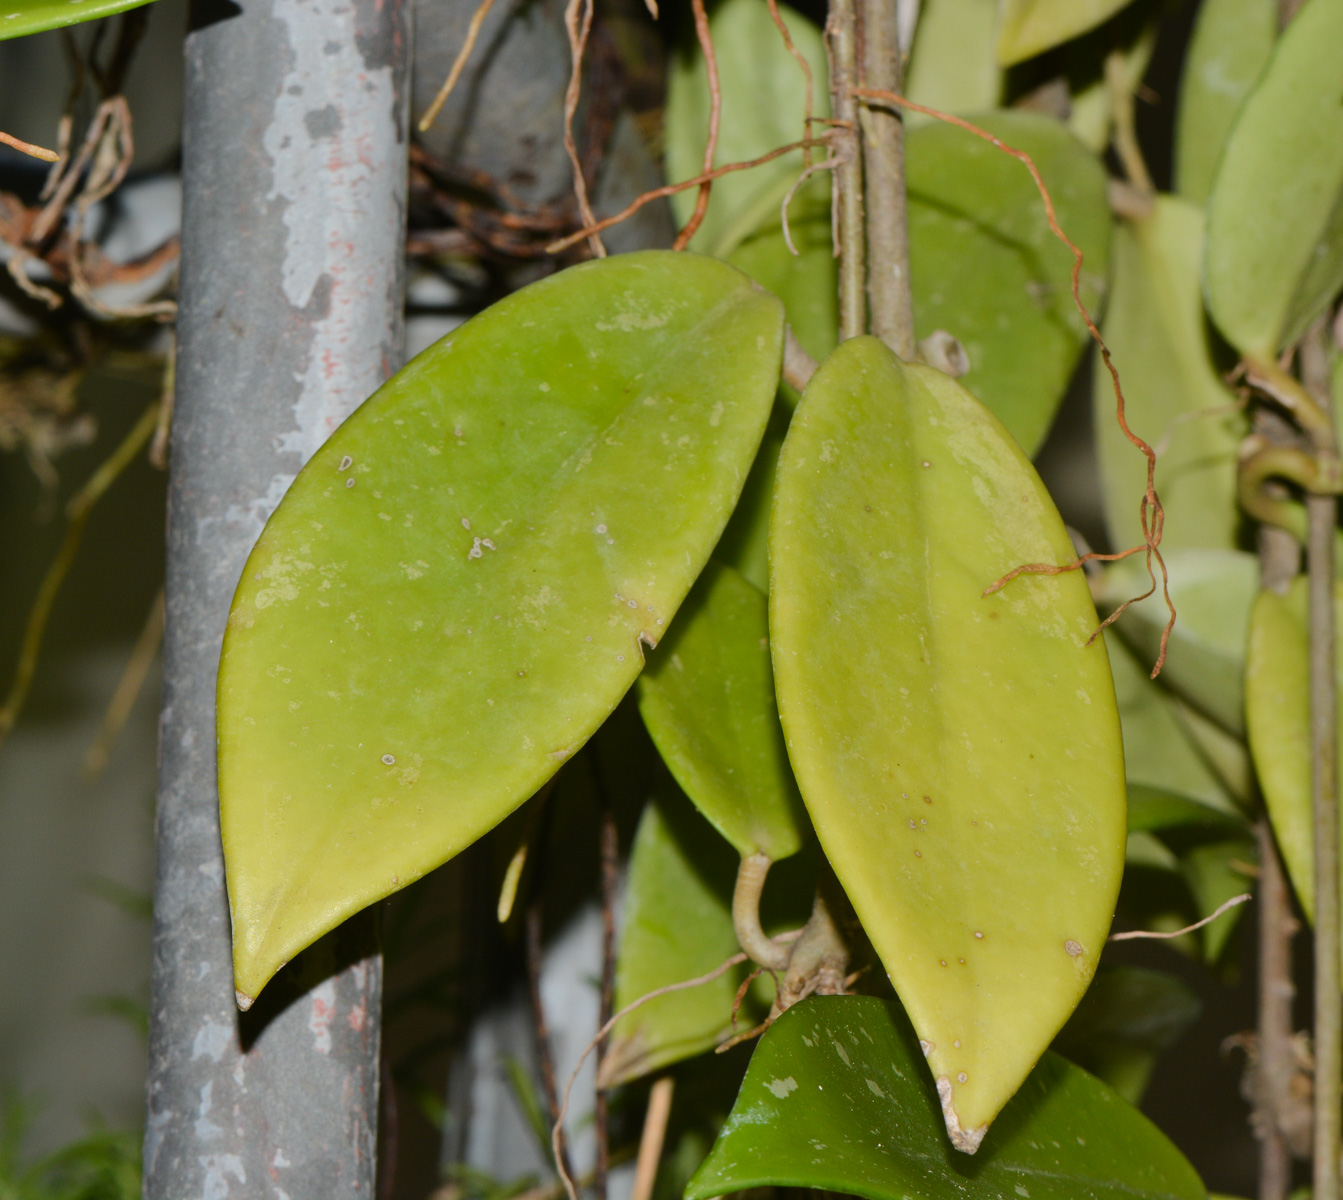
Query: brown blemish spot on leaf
[243, 1000]
[1073, 948]
[388, 760]
[965, 1140]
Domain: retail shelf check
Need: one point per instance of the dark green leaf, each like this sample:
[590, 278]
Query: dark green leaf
[837, 1097]
[1127, 1018]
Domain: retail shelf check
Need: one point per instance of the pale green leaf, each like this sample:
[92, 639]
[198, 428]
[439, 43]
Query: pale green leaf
[1132, 35]
[1274, 253]
[1213, 591]
[763, 107]
[1277, 704]
[1231, 42]
[985, 267]
[952, 65]
[1028, 27]
[18, 18]
[1144, 850]
[951, 749]
[707, 698]
[744, 545]
[1174, 395]
[836, 1097]
[455, 592]
[1157, 754]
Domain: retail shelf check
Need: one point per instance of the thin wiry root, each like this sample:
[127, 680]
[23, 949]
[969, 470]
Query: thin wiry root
[1151, 514]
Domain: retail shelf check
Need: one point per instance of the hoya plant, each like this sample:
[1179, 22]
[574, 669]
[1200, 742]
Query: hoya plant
[919, 753]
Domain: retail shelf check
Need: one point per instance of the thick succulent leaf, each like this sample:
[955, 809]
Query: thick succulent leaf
[1231, 43]
[806, 282]
[744, 545]
[1213, 592]
[1157, 754]
[18, 18]
[763, 107]
[952, 66]
[1275, 217]
[1028, 27]
[835, 1098]
[951, 749]
[1225, 753]
[1216, 871]
[453, 594]
[707, 698]
[676, 925]
[1127, 1018]
[1173, 390]
[1277, 705]
[986, 268]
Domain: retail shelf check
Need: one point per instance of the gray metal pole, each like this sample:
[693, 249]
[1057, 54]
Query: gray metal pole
[294, 172]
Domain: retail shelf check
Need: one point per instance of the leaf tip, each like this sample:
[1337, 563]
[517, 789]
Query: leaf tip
[965, 1140]
[243, 999]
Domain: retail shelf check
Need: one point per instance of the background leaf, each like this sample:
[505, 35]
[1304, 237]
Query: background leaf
[951, 749]
[1174, 395]
[454, 593]
[1028, 27]
[836, 1098]
[707, 698]
[763, 106]
[1275, 217]
[1277, 705]
[1230, 46]
[985, 267]
[1127, 1018]
[1213, 591]
[952, 65]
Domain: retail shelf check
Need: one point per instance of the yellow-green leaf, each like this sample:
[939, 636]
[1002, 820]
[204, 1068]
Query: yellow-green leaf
[1028, 27]
[1173, 389]
[952, 65]
[1231, 42]
[1274, 253]
[1277, 709]
[707, 698]
[18, 18]
[951, 749]
[455, 591]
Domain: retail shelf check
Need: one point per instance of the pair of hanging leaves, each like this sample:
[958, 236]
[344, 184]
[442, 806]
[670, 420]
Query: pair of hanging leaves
[454, 594]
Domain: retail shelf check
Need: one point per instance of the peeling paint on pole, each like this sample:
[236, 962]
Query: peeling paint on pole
[293, 224]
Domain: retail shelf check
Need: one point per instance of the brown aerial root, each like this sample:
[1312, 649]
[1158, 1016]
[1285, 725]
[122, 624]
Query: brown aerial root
[671, 189]
[715, 115]
[801, 60]
[1151, 513]
[8, 139]
[577, 25]
[468, 44]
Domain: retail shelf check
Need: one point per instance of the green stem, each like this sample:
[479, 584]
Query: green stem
[883, 140]
[842, 41]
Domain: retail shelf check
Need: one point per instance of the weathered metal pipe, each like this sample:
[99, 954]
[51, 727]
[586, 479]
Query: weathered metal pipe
[294, 173]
